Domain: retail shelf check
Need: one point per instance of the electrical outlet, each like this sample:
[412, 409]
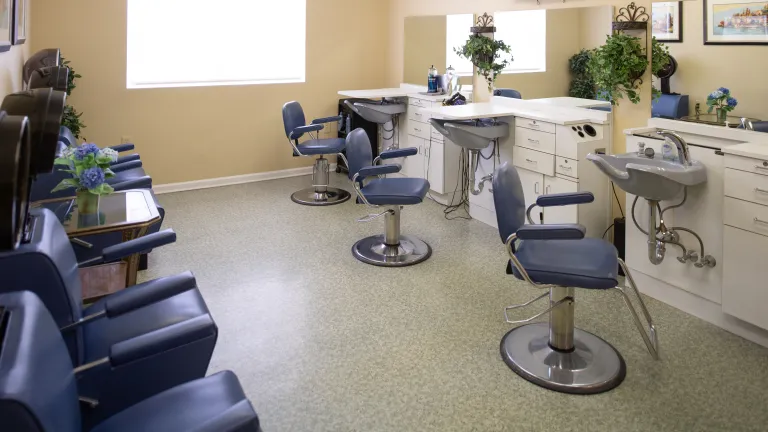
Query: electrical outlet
[125, 139]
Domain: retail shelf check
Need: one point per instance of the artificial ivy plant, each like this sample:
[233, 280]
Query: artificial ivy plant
[659, 60]
[486, 54]
[617, 67]
[582, 85]
[71, 118]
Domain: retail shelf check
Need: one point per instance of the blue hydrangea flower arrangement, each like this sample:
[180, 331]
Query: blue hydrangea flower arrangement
[89, 167]
[721, 100]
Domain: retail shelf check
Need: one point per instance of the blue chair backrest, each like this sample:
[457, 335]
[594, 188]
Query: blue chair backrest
[670, 106]
[66, 136]
[44, 183]
[508, 93]
[38, 390]
[509, 199]
[359, 152]
[47, 266]
[293, 117]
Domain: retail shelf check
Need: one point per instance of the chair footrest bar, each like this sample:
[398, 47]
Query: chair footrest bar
[550, 309]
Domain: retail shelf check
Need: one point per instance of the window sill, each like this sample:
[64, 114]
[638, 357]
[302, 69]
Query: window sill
[131, 86]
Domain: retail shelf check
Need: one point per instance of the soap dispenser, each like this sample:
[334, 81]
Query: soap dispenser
[432, 80]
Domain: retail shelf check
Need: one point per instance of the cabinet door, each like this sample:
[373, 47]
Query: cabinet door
[434, 166]
[744, 275]
[564, 214]
[413, 166]
[533, 186]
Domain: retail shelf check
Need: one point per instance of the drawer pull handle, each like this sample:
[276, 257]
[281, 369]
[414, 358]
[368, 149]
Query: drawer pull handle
[566, 167]
[761, 221]
[533, 140]
[417, 129]
[533, 125]
[761, 190]
[418, 114]
[532, 161]
[536, 188]
[761, 167]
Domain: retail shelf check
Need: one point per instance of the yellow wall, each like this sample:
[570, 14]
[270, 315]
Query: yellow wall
[188, 134]
[704, 68]
[595, 26]
[425, 47]
[12, 61]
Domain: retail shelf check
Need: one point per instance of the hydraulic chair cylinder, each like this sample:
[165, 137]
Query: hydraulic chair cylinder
[561, 319]
[320, 176]
[392, 230]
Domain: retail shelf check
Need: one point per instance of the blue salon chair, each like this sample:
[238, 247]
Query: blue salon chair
[670, 106]
[39, 388]
[508, 93]
[167, 314]
[390, 249]
[320, 194]
[758, 126]
[559, 259]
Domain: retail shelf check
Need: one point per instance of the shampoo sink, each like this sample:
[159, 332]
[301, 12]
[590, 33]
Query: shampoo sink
[470, 134]
[379, 112]
[654, 179]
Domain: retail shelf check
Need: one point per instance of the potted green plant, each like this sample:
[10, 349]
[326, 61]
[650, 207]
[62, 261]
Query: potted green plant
[618, 66]
[486, 54]
[71, 118]
[722, 103]
[582, 85]
[89, 167]
[659, 60]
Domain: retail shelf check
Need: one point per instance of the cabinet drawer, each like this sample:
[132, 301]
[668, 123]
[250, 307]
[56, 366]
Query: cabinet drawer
[757, 166]
[535, 140]
[417, 114]
[746, 186]
[745, 292]
[567, 167]
[420, 130]
[746, 215]
[535, 125]
[436, 136]
[533, 160]
[419, 103]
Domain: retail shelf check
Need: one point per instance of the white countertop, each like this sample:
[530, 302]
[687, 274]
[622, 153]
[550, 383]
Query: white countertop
[571, 102]
[750, 150]
[377, 93]
[516, 108]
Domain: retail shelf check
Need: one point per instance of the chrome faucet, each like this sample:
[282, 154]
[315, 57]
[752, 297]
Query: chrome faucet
[682, 146]
[747, 124]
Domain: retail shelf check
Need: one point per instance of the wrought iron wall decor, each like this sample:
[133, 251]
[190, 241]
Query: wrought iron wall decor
[632, 17]
[484, 24]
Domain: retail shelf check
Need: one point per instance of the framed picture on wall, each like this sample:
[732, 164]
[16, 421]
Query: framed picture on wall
[667, 21]
[6, 21]
[19, 21]
[734, 22]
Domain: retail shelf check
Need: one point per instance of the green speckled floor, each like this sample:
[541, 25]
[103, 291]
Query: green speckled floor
[322, 342]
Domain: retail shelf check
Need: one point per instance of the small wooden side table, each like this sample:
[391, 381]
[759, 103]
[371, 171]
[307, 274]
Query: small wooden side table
[130, 212]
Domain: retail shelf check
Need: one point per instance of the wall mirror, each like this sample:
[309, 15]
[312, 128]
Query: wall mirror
[542, 43]
[720, 52]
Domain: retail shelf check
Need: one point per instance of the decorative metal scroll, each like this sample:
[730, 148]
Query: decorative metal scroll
[632, 17]
[484, 24]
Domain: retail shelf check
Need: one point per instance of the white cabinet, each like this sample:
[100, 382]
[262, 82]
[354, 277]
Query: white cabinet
[434, 166]
[533, 186]
[560, 214]
[413, 166]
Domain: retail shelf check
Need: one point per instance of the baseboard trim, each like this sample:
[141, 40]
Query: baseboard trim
[234, 180]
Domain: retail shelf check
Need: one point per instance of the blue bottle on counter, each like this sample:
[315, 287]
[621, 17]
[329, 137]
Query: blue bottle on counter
[432, 80]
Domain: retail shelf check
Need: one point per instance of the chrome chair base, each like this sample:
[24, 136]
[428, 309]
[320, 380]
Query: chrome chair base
[593, 366]
[373, 250]
[310, 197]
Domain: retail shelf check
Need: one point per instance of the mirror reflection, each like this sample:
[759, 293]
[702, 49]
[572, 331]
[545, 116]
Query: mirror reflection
[542, 43]
[716, 75]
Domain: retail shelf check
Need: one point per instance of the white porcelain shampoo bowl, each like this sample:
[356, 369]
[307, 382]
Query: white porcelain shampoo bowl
[379, 112]
[654, 178]
[472, 135]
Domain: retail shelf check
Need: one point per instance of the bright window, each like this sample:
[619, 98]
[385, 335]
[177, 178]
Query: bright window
[185, 43]
[456, 35]
[526, 33]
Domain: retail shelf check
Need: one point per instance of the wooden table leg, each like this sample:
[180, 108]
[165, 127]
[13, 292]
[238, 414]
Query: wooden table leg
[133, 260]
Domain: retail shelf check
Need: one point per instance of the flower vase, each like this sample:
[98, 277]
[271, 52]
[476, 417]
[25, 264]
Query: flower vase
[87, 203]
[722, 115]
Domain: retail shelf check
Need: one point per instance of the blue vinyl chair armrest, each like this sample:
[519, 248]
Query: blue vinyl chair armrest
[123, 147]
[161, 340]
[378, 170]
[398, 153]
[565, 199]
[128, 158]
[149, 293]
[552, 232]
[122, 250]
[324, 120]
[305, 129]
[120, 167]
[144, 182]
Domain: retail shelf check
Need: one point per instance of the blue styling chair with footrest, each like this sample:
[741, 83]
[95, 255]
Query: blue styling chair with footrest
[390, 249]
[166, 315]
[558, 258]
[40, 390]
[320, 194]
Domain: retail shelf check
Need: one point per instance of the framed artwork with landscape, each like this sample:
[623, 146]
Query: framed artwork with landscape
[6, 25]
[667, 21]
[735, 22]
